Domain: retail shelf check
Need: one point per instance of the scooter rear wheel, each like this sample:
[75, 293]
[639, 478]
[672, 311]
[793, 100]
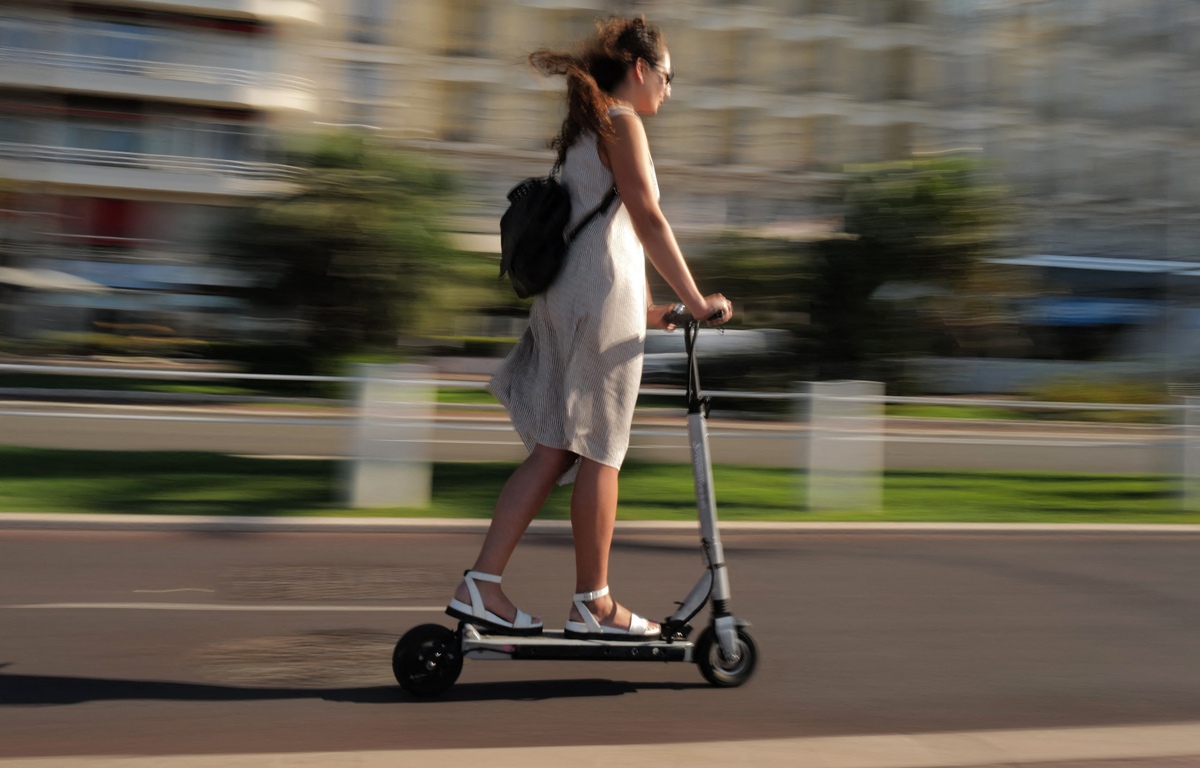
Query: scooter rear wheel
[719, 670]
[427, 660]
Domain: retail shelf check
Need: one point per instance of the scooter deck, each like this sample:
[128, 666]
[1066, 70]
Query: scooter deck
[552, 644]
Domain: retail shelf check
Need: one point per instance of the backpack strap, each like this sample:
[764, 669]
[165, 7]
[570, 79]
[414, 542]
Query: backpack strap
[604, 205]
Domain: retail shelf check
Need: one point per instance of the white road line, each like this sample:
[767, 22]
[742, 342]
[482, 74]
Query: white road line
[165, 591]
[222, 607]
[929, 750]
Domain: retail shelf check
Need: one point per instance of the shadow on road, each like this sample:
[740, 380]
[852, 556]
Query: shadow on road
[45, 690]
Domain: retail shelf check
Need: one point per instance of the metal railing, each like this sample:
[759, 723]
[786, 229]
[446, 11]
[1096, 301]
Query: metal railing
[244, 169]
[159, 70]
[824, 432]
[799, 396]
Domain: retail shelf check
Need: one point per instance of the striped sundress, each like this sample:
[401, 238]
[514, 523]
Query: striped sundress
[572, 380]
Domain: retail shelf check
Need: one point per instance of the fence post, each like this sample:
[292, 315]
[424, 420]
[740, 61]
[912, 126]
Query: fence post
[1191, 453]
[845, 445]
[391, 457]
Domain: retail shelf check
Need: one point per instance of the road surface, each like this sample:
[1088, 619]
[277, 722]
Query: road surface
[216, 644]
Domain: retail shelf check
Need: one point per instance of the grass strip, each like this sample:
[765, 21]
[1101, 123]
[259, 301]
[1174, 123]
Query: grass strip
[170, 483]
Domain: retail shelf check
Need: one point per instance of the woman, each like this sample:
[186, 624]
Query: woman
[571, 383]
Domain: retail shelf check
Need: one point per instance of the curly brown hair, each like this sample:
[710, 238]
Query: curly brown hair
[595, 71]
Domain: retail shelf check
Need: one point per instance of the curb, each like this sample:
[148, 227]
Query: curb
[18, 521]
[1165, 744]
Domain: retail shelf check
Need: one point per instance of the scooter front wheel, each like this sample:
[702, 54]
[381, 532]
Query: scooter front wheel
[723, 672]
[427, 660]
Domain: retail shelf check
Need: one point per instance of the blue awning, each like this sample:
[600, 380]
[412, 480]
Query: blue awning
[1083, 311]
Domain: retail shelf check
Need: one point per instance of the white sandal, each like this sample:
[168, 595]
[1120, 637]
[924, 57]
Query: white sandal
[481, 617]
[591, 629]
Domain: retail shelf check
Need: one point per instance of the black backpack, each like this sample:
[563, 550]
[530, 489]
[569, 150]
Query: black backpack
[533, 236]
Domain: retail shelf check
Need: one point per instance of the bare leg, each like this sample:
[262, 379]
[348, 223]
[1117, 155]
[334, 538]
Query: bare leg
[519, 502]
[593, 516]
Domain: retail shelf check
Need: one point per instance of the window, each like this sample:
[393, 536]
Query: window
[99, 221]
[467, 28]
[367, 21]
[364, 92]
[105, 137]
[220, 139]
[826, 62]
[17, 130]
[118, 40]
[462, 112]
[26, 34]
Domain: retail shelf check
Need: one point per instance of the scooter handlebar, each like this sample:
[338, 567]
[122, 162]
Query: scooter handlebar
[679, 315]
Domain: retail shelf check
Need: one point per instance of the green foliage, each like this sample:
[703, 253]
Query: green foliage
[65, 343]
[927, 225]
[936, 218]
[353, 252]
[1126, 391]
[769, 282]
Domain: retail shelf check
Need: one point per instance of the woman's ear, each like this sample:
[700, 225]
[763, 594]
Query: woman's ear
[641, 68]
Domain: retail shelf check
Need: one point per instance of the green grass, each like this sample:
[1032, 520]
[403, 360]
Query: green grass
[918, 411]
[915, 411]
[118, 384]
[164, 483]
[465, 397]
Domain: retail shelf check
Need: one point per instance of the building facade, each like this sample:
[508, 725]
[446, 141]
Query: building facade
[1089, 108]
[128, 128]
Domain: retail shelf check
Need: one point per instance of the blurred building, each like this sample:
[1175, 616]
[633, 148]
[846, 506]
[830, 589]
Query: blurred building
[1089, 107]
[135, 120]
[128, 128]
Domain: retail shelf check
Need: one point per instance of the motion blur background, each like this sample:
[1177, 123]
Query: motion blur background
[951, 196]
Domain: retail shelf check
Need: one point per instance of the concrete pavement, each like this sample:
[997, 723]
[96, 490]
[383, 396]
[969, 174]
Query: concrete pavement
[1175, 745]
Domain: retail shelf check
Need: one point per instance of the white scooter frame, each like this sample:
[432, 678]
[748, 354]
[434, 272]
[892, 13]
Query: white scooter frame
[428, 658]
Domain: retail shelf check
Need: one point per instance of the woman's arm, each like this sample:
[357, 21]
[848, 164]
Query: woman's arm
[627, 153]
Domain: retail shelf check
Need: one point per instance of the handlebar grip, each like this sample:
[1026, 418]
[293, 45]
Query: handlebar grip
[679, 315]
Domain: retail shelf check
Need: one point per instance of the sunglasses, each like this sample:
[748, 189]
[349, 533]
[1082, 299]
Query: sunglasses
[667, 76]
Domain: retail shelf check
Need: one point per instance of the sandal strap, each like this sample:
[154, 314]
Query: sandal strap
[471, 577]
[589, 619]
[522, 620]
[588, 596]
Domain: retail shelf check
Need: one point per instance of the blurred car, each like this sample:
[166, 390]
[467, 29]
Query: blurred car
[665, 361]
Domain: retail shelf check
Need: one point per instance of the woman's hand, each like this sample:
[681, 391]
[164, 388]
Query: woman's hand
[657, 316]
[711, 306]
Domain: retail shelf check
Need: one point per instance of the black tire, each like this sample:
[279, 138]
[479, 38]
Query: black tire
[716, 669]
[427, 660]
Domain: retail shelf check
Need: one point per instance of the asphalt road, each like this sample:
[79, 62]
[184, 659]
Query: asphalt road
[175, 643]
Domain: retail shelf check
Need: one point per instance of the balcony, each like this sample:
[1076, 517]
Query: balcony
[105, 169]
[278, 11]
[155, 80]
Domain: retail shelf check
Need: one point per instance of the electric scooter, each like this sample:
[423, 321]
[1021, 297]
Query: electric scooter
[429, 658]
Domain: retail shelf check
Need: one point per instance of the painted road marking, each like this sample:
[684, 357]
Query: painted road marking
[221, 607]
[929, 750]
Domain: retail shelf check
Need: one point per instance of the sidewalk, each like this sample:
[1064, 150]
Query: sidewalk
[1148, 745]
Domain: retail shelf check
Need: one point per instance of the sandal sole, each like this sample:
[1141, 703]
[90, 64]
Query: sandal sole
[620, 637]
[493, 629]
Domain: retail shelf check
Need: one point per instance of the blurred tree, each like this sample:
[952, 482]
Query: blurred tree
[907, 275]
[352, 255]
[914, 278]
[770, 280]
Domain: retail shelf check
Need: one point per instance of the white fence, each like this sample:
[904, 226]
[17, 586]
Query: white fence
[390, 431]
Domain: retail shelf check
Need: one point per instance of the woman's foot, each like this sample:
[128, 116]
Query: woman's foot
[609, 619]
[489, 608]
